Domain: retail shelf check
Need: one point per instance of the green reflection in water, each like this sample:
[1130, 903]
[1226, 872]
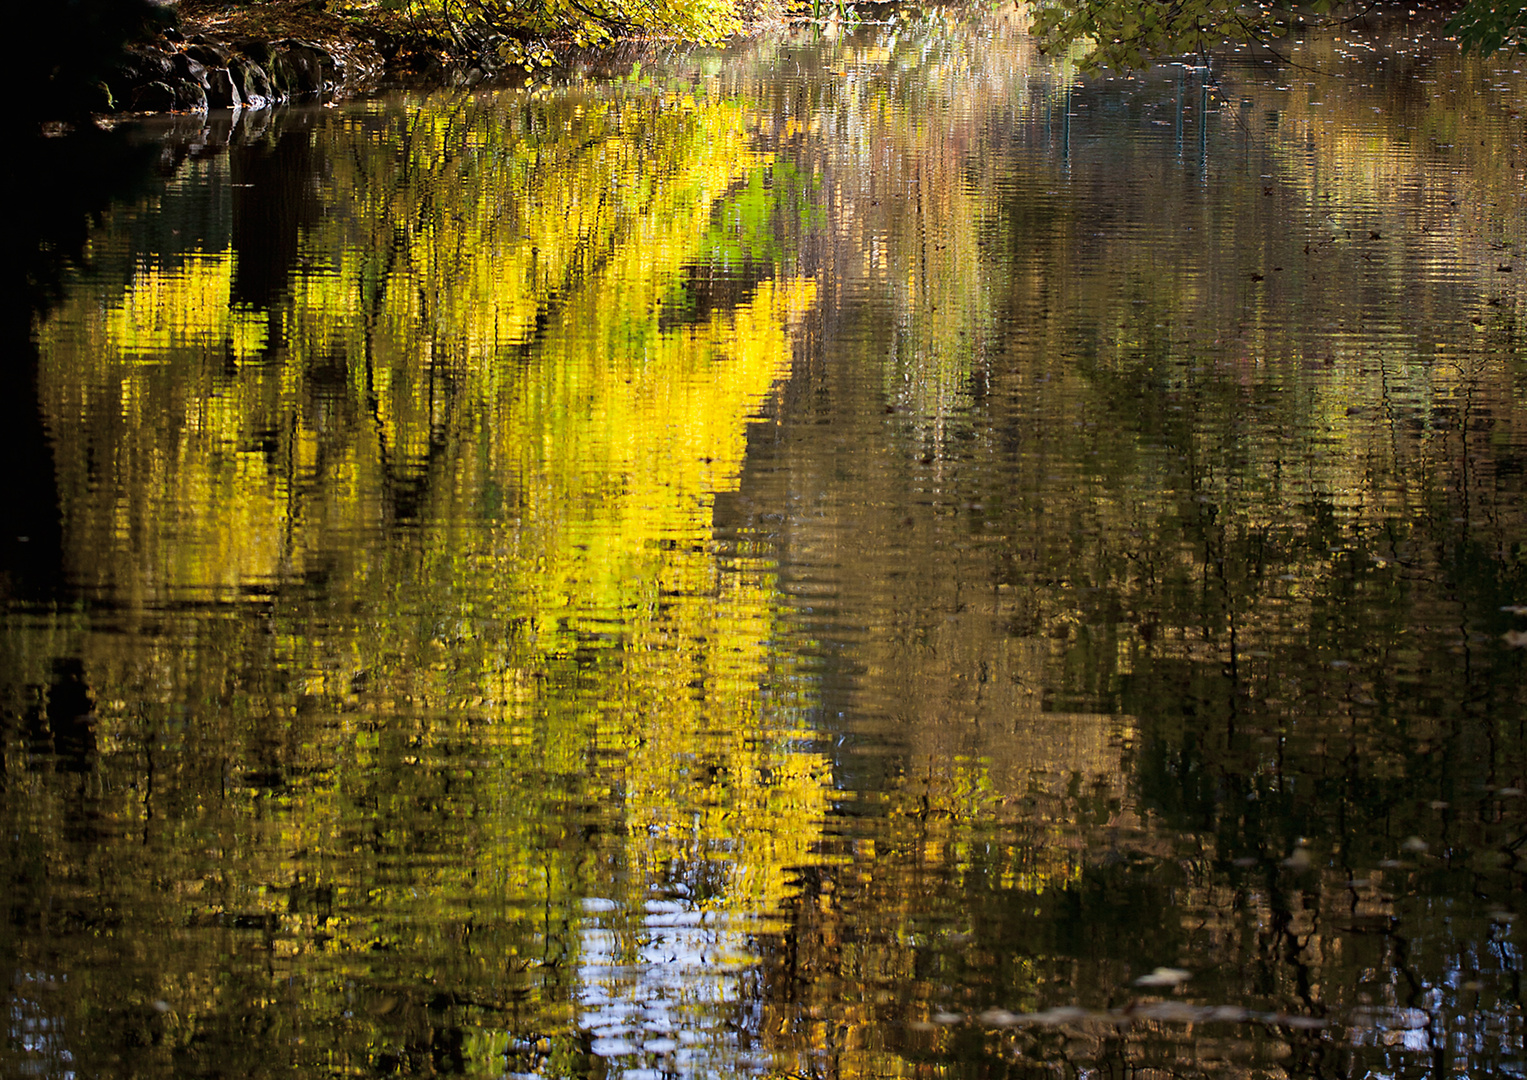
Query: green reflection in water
[1125, 550]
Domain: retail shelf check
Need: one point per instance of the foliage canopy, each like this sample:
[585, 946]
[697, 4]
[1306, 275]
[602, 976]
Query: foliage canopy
[1124, 34]
[500, 28]
[1485, 27]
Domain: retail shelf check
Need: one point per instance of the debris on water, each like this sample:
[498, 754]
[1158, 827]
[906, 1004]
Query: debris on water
[1172, 1012]
[1164, 976]
[1514, 609]
[1166, 1012]
[1515, 639]
[1415, 845]
[1063, 1014]
[1509, 792]
[1298, 1023]
[948, 1018]
[1502, 916]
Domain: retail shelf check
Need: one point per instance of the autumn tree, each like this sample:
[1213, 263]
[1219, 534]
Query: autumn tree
[514, 31]
[1124, 34]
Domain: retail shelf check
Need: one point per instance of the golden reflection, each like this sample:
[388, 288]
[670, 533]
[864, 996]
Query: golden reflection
[477, 412]
[1119, 515]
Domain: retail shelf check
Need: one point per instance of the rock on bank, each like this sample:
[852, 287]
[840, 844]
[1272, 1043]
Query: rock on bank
[205, 54]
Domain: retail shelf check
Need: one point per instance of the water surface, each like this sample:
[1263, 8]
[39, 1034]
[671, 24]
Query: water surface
[859, 554]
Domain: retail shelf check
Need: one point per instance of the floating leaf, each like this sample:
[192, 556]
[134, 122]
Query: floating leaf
[1164, 976]
[1298, 859]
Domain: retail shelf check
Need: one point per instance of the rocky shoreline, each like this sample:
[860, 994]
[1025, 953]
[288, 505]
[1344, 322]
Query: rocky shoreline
[206, 55]
[193, 56]
[200, 73]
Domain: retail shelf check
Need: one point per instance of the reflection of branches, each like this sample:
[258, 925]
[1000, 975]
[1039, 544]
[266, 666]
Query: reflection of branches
[1361, 13]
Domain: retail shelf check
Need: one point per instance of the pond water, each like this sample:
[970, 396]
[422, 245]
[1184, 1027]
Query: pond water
[861, 554]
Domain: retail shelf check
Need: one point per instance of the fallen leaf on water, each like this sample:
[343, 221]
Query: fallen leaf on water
[1170, 1011]
[1298, 859]
[1061, 1014]
[1164, 976]
[1301, 1023]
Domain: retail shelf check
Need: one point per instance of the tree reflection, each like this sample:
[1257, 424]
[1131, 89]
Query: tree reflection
[1182, 643]
[465, 680]
[429, 641]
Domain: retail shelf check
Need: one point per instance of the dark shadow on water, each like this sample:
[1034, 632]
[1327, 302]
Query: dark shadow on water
[66, 183]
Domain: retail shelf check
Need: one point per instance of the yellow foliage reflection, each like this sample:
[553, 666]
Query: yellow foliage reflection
[479, 411]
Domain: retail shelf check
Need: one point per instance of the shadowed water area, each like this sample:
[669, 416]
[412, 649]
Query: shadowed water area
[862, 554]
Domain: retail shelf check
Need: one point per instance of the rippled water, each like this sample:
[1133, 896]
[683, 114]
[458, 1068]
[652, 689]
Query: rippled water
[860, 554]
